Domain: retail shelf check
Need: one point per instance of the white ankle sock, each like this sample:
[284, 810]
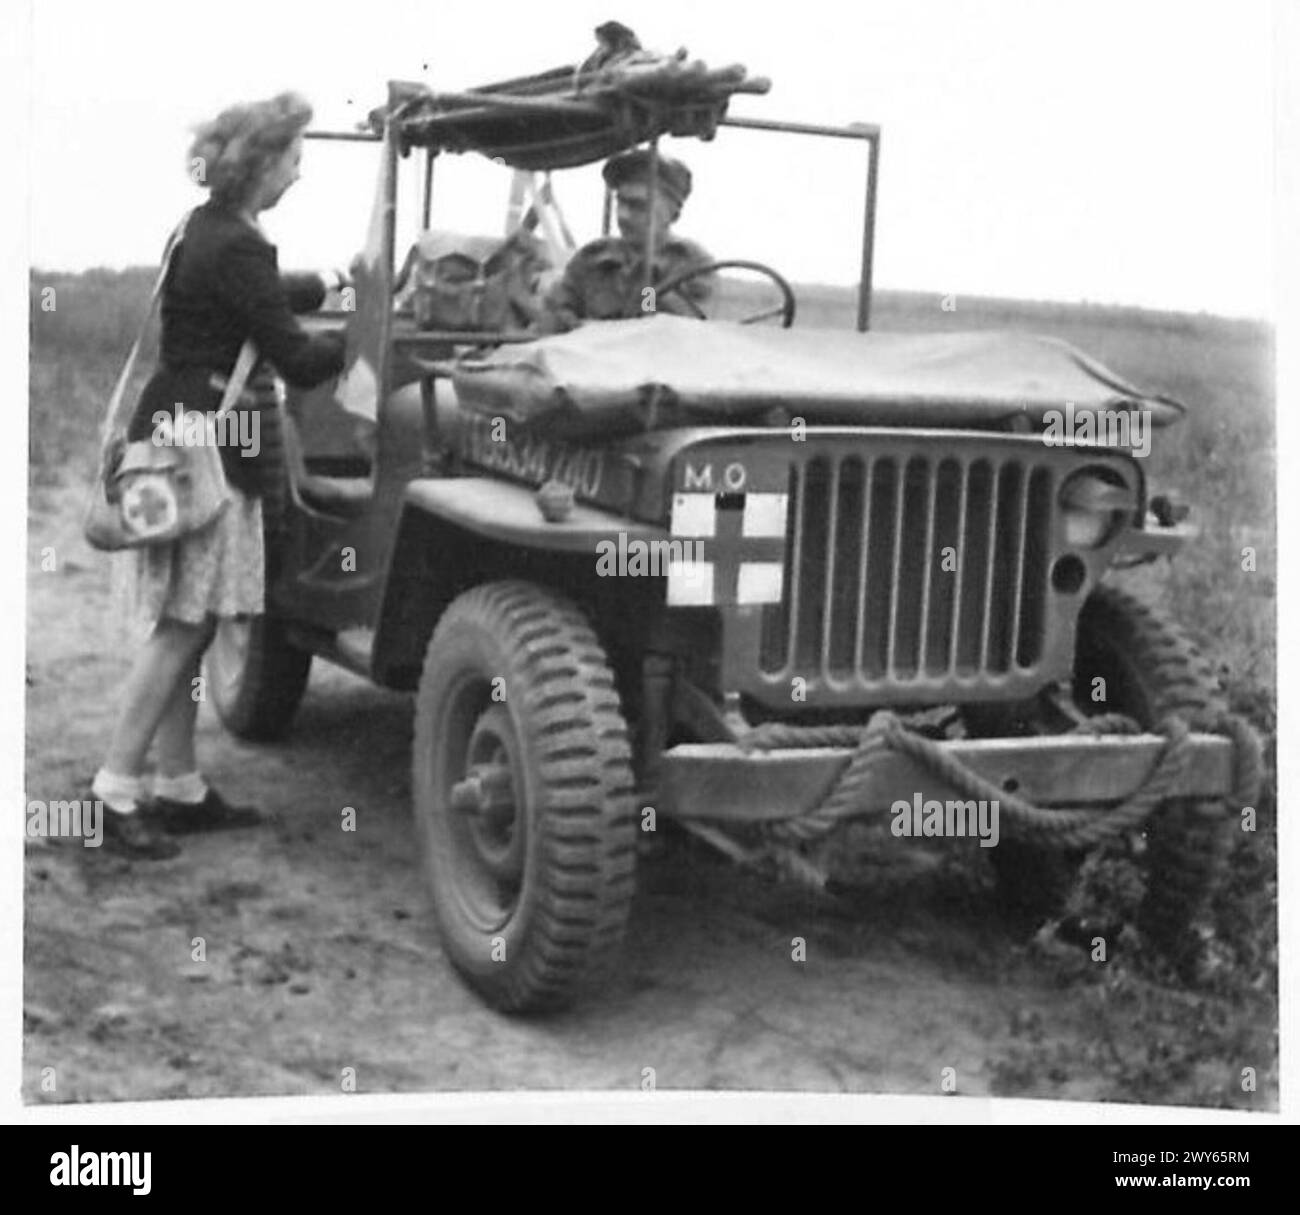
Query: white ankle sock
[118, 792]
[188, 787]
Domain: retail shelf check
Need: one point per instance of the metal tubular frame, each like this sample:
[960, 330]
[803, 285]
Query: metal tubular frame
[869, 133]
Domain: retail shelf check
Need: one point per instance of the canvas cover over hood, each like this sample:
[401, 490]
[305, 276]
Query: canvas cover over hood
[619, 377]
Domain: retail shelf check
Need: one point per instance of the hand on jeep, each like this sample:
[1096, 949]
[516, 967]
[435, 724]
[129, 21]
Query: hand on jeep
[335, 279]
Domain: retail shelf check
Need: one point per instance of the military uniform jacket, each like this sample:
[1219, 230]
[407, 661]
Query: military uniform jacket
[605, 280]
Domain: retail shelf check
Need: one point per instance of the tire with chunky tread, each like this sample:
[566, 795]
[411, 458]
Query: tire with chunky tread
[1186, 839]
[1152, 670]
[536, 940]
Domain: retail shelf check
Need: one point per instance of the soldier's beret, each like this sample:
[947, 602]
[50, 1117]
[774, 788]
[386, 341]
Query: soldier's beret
[634, 166]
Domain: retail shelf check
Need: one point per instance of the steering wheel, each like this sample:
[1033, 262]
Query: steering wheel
[785, 310]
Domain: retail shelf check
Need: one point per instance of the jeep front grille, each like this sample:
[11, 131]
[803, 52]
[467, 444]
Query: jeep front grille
[913, 572]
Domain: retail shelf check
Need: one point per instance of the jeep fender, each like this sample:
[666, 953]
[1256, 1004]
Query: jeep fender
[458, 532]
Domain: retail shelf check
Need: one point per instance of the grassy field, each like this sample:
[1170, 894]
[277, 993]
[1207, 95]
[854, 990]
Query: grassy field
[1221, 459]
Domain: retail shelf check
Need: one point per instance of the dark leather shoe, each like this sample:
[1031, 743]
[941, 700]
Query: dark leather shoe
[134, 835]
[213, 813]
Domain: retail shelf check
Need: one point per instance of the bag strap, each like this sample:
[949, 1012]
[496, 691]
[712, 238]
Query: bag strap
[238, 376]
[112, 419]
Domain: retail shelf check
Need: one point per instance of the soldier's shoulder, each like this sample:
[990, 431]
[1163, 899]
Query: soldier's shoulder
[602, 251]
[688, 250]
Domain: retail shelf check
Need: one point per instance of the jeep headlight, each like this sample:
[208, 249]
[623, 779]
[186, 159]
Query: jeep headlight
[1094, 504]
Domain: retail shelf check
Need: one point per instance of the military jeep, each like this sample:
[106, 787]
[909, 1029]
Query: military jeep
[755, 579]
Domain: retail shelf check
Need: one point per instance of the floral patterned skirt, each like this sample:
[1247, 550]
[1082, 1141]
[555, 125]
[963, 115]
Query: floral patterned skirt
[217, 571]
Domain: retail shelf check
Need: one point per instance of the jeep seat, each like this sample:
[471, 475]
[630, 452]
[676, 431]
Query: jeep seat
[335, 495]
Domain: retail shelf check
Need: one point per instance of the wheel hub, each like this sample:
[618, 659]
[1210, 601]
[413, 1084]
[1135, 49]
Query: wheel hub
[486, 801]
[488, 792]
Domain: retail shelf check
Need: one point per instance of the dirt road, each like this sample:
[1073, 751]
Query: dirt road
[321, 953]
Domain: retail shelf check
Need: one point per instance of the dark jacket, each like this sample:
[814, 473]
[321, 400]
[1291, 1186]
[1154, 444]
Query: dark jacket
[224, 286]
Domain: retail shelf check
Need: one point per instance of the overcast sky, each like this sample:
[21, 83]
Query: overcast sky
[1115, 150]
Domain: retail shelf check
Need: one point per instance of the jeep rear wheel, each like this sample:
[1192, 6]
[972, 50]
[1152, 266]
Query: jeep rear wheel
[523, 796]
[257, 678]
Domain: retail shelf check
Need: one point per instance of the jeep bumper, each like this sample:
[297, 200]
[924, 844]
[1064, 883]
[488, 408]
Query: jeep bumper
[724, 782]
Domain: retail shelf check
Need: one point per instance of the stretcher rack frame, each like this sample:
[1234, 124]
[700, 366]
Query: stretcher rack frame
[868, 133]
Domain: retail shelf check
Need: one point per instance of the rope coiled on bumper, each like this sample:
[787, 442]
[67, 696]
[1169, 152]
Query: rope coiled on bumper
[1063, 828]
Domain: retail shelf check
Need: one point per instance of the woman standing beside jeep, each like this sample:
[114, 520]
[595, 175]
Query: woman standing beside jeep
[223, 288]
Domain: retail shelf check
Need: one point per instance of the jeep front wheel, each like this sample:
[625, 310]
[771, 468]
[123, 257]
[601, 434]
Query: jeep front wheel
[1140, 664]
[523, 795]
[1152, 671]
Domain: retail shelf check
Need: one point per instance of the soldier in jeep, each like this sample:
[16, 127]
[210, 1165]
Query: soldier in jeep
[605, 280]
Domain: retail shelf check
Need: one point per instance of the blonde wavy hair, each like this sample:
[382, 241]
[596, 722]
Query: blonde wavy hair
[230, 154]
